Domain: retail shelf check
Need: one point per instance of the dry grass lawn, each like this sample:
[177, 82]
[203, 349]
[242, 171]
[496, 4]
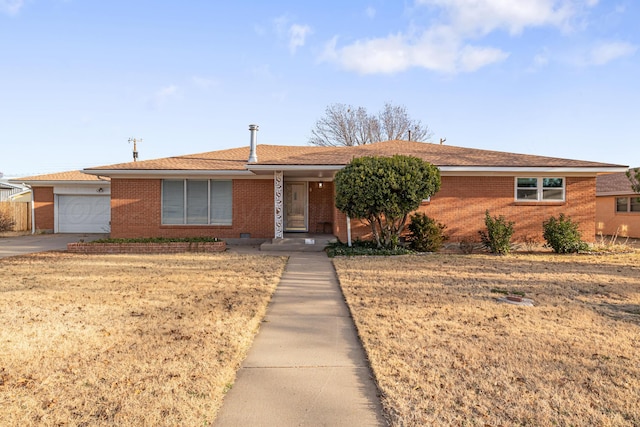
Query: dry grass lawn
[445, 352]
[126, 340]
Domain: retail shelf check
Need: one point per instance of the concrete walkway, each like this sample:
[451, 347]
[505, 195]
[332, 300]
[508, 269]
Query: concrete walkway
[306, 366]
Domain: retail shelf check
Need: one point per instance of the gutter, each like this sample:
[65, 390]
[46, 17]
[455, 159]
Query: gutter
[33, 210]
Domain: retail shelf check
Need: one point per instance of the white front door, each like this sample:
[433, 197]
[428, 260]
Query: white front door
[295, 206]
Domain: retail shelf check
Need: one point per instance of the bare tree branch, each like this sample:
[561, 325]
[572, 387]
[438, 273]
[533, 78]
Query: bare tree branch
[634, 178]
[344, 125]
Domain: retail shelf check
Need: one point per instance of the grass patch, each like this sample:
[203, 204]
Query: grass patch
[445, 352]
[126, 339]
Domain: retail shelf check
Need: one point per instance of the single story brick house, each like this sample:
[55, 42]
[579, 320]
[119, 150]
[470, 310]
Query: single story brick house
[263, 191]
[70, 202]
[617, 206]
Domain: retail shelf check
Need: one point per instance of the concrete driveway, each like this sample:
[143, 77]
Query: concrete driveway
[20, 245]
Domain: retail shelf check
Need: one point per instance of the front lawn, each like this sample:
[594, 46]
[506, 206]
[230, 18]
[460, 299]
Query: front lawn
[126, 339]
[446, 352]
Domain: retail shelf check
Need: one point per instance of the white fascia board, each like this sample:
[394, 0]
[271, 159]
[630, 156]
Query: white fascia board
[163, 173]
[534, 170]
[295, 167]
[52, 183]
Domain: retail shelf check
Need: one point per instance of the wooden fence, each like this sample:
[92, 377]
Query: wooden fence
[20, 212]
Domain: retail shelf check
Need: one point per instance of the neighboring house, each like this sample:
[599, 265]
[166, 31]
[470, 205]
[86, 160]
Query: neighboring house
[9, 190]
[267, 190]
[70, 202]
[617, 206]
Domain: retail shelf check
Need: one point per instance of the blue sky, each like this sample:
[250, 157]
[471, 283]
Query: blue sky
[78, 78]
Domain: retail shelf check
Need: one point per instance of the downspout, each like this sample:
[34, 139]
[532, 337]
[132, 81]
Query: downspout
[33, 210]
[348, 231]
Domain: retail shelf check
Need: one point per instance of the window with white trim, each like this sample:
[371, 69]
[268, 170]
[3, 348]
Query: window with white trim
[197, 201]
[540, 189]
[627, 204]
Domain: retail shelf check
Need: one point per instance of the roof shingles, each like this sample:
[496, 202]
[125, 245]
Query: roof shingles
[235, 159]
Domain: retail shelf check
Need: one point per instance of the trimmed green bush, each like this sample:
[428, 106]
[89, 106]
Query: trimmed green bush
[426, 234]
[360, 248]
[497, 237]
[383, 191]
[563, 236]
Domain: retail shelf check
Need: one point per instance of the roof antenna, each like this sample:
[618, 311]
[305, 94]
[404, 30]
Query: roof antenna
[443, 140]
[135, 148]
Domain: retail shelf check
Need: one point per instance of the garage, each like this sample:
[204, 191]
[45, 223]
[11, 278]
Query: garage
[83, 214]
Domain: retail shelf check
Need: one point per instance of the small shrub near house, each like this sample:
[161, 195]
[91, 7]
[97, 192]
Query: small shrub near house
[562, 235]
[497, 237]
[363, 248]
[426, 234]
[6, 222]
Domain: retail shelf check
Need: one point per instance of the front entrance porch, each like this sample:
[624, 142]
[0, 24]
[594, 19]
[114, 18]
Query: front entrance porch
[303, 204]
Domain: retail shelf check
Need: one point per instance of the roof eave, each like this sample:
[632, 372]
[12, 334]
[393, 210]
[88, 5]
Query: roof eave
[622, 193]
[47, 183]
[163, 172]
[534, 169]
[285, 167]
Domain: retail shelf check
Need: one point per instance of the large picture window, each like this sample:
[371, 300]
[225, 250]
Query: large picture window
[539, 189]
[197, 201]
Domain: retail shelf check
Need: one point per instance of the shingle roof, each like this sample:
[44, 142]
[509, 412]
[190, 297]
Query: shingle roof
[230, 159]
[613, 183]
[62, 176]
[235, 159]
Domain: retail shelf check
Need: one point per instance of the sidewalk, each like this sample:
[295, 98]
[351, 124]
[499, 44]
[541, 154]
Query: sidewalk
[306, 366]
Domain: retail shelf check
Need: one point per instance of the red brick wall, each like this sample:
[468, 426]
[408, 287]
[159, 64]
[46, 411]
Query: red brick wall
[321, 207]
[460, 204]
[145, 248]
[462, 200]
[136, 211]
[43, 208]
[609, 222]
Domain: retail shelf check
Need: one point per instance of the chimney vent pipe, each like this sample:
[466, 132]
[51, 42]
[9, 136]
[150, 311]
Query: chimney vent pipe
[253, 156]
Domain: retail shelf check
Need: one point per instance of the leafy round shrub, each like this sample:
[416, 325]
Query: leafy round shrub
[562, 235]
[426, 234]
[497, 238]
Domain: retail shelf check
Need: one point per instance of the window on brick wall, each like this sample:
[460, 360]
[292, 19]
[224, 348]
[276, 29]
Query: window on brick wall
[627, 204]
[197, 201]
[540, 189]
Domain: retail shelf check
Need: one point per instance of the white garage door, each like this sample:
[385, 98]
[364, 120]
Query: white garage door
[84, 214]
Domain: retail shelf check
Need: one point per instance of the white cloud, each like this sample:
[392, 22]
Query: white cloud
[438, 49]
[11, 7]
[370, 12]
[262, 72]
[280, 24]
[163, 95]
[472, 58]
[603, 53]
[485, 16]
[203, 82]
[453, 43]
[297, 36]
